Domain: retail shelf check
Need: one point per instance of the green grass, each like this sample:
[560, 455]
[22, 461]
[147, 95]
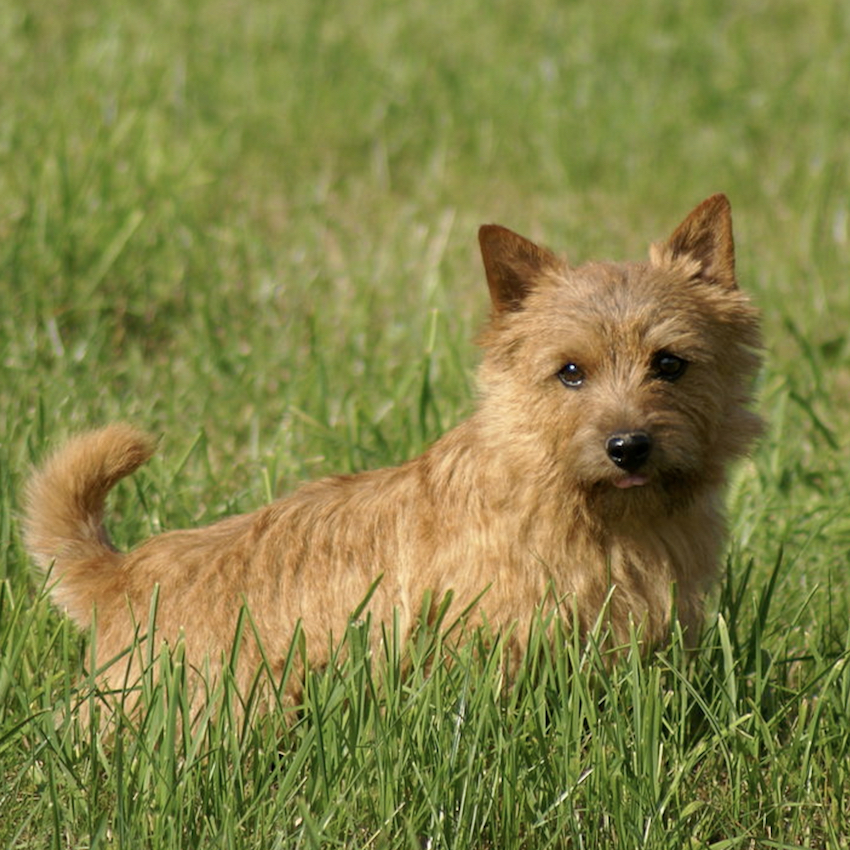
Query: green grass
[250, 227]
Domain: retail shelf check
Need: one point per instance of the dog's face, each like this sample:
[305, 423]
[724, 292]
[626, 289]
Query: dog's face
[631, 380]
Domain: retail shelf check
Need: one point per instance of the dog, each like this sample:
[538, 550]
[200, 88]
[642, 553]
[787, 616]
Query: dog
[588, 482]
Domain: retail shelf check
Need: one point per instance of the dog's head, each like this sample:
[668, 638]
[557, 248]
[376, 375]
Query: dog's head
[621, 379]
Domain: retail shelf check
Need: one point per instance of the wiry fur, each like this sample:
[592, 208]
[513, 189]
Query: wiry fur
[517, 505]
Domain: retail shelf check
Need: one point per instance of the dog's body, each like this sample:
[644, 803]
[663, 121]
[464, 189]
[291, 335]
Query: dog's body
[613, 397]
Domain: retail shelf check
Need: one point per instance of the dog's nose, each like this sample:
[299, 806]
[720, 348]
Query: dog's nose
[629, 451]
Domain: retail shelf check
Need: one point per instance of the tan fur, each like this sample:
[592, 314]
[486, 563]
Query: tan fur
[517, 505]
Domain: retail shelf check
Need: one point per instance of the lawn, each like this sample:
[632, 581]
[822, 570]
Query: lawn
[251, 229]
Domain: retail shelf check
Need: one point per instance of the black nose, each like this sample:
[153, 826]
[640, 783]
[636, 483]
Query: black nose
[629, 451]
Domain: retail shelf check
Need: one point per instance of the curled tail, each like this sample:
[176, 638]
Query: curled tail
[63, 519]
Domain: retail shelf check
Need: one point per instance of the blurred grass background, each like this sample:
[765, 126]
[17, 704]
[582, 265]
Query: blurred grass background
[251, 228]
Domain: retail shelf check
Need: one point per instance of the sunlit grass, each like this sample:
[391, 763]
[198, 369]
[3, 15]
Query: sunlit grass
[251, 229]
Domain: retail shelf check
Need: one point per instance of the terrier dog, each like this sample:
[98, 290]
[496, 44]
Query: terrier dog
[613, 397]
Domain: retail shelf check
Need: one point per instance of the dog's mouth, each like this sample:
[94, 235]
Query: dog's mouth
[632, 480]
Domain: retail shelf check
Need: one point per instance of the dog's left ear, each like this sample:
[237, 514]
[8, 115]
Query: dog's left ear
[514, 265]
[705, 239]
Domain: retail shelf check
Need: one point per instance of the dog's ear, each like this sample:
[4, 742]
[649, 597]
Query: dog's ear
[513, 265]
[703, 242]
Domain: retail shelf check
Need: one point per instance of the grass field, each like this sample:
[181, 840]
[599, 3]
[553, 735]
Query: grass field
[250, 227]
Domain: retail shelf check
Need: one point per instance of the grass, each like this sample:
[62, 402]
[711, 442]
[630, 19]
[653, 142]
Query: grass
[251, 228]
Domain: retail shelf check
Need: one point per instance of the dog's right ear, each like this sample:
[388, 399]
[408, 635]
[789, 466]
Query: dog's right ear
[513, 265]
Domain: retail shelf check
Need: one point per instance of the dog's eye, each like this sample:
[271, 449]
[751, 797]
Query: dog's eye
[571, 375]
[668, 366]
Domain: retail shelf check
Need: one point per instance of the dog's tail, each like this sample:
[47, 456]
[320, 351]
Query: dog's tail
[63, 521]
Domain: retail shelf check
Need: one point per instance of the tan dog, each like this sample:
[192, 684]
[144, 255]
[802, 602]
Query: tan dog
[612, 399]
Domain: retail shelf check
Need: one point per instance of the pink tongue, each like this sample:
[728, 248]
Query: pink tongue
[631, 481]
